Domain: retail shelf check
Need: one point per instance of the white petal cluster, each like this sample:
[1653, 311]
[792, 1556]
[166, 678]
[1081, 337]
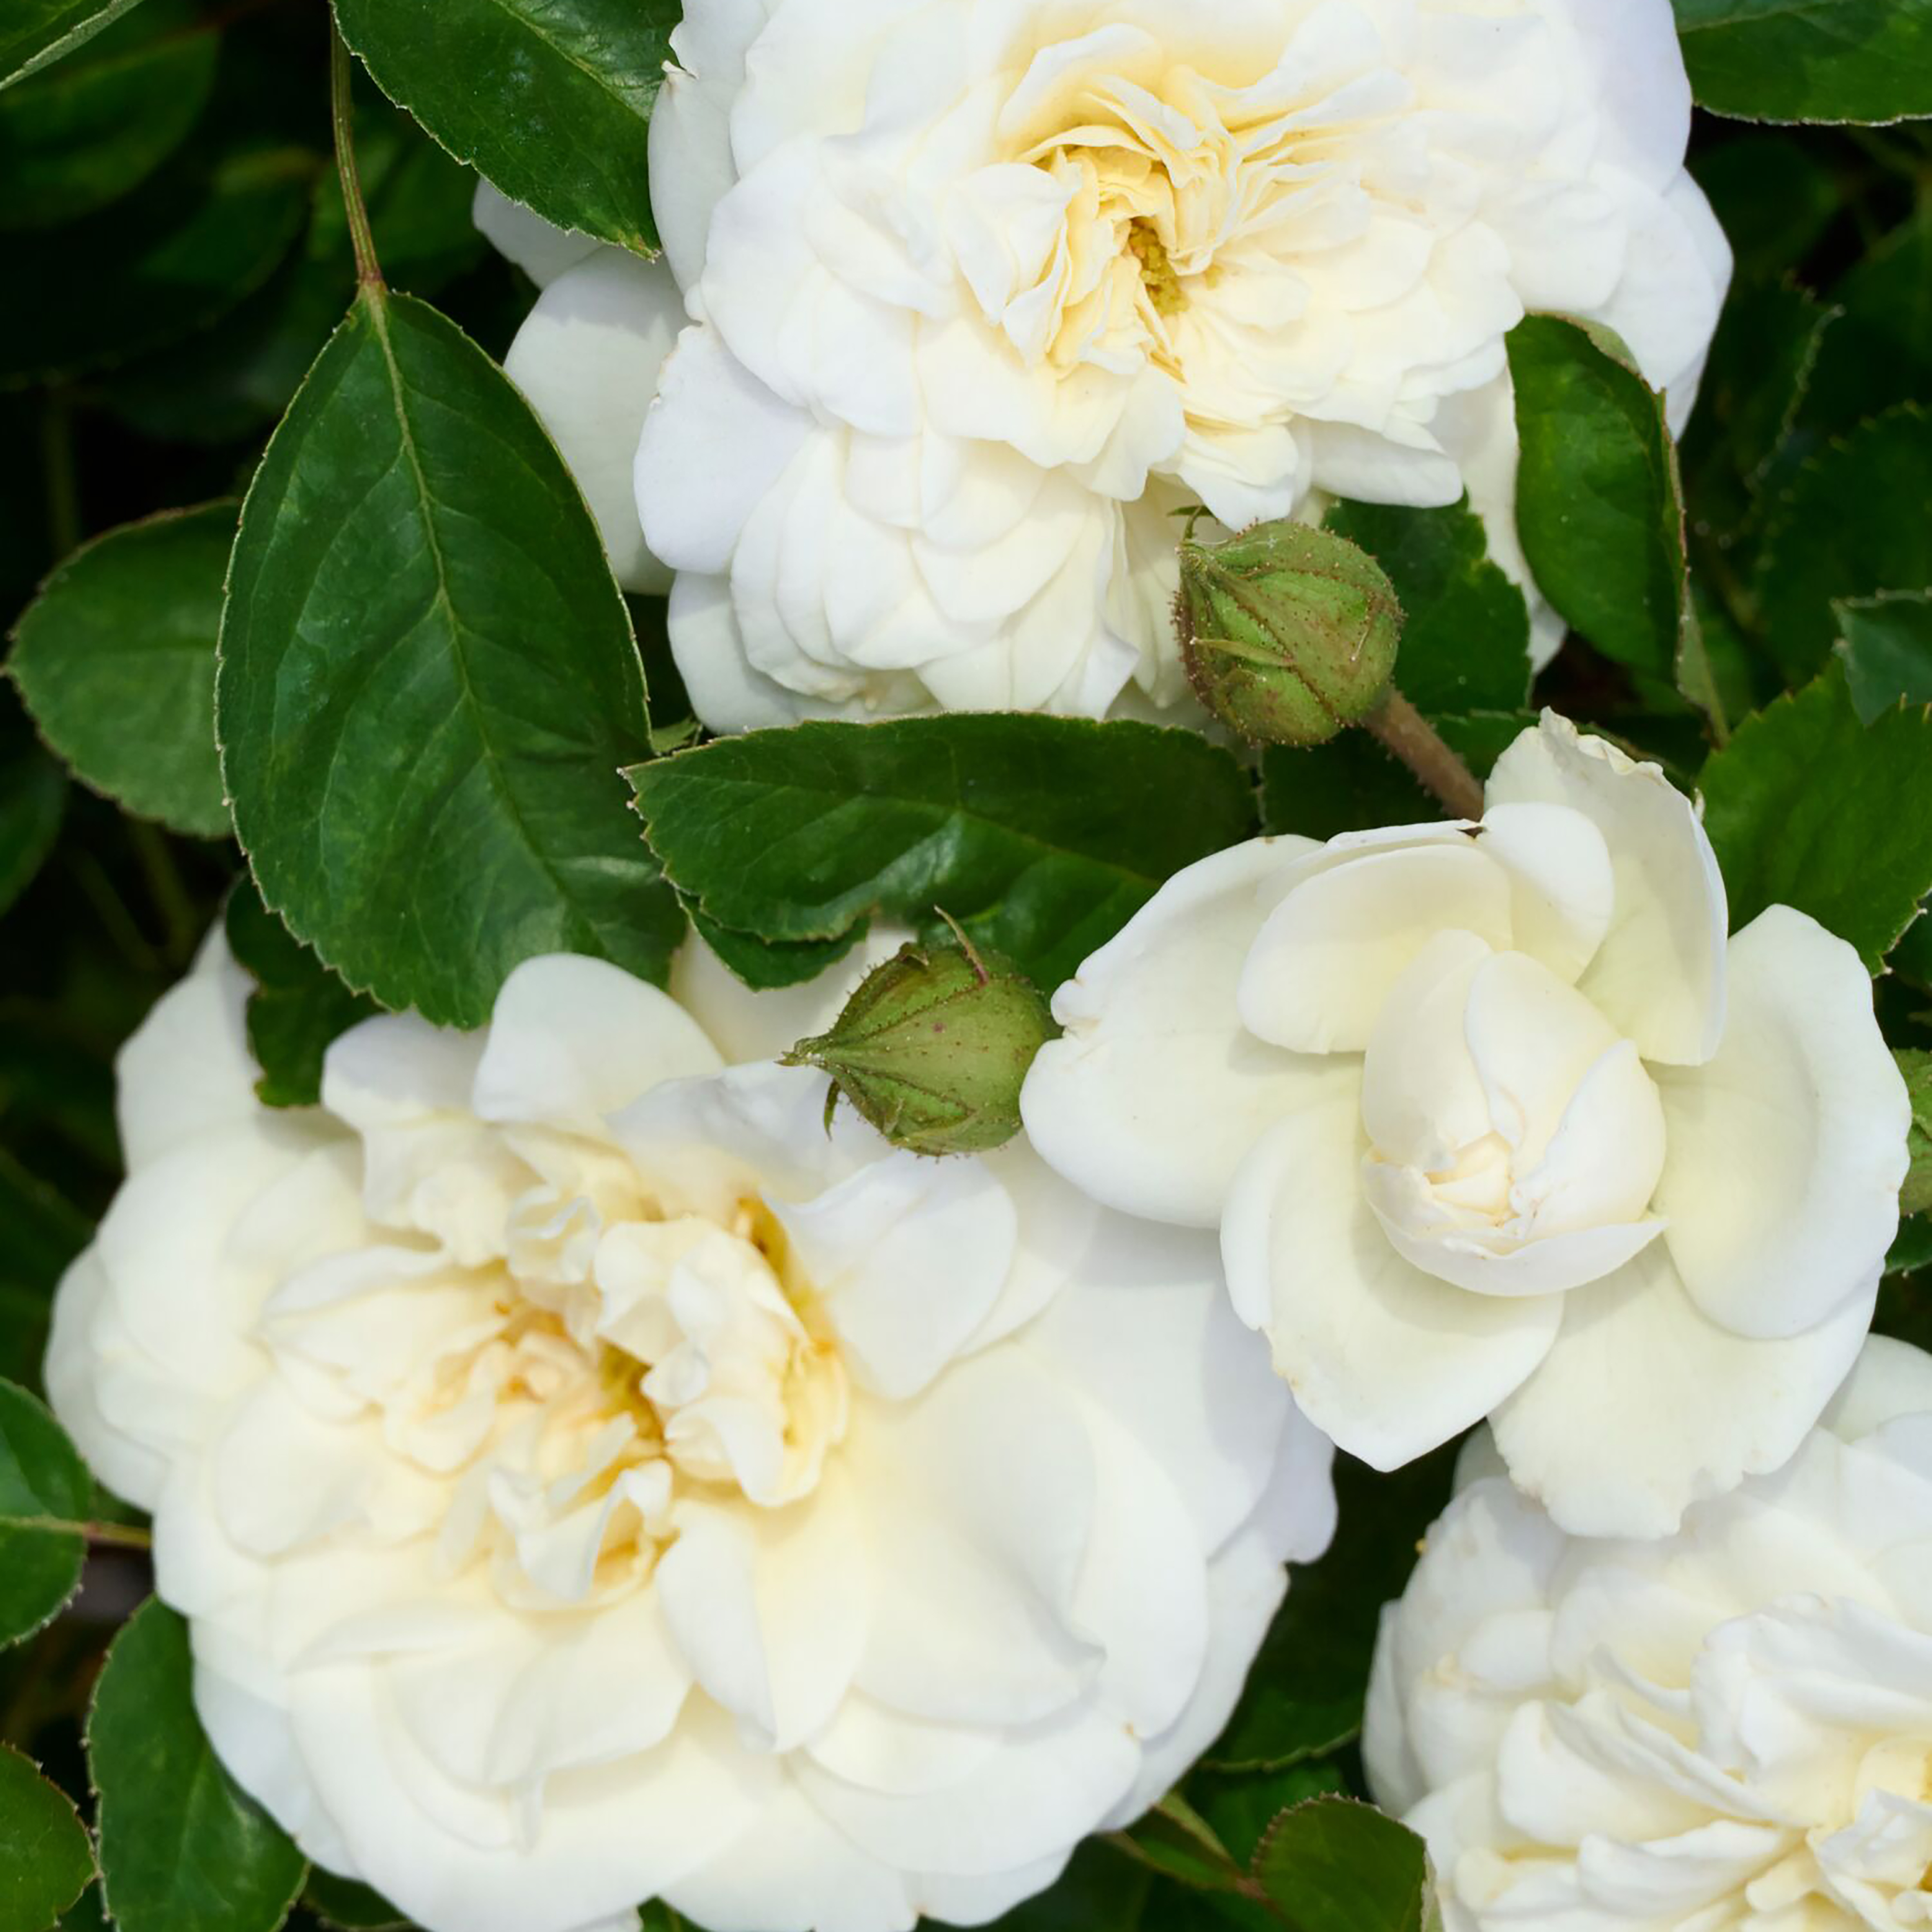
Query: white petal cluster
[588, 1481]
[1494, 1120]
[1729, 1731]
[981, 293]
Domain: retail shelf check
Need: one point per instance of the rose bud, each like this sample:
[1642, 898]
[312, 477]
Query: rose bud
[1289, 634]
[933, 1048]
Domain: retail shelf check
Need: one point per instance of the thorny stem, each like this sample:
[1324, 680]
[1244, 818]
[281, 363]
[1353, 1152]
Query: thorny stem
[1402, 730]
[341, 77]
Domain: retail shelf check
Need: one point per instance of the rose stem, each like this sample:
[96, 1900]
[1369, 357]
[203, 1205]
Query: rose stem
[1403, 730]
[342, 103]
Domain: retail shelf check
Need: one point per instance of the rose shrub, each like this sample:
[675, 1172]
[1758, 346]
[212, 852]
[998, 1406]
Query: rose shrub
[981, 296]
[1726, 1728]
[588, 1481]
[1495, 1120]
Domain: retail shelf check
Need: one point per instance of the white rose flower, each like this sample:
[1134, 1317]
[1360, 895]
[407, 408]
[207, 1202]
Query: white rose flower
[1731, 1729]
[983, 291]
[588, 1480]
[1493, 1120]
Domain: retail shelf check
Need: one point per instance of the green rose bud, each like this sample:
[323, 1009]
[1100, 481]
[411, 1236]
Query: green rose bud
[933, 1048]
[1289, 634]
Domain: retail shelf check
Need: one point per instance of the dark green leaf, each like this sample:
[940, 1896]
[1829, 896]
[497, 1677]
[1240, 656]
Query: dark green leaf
[1239, 1807]
[1102, 1891]
[1178, 1843]
[1306, 1693]
[45, 1496]
[85, 133]
[299, 1008]
[1336, 1865]
[201, 234]
[46, 1860]
[766, 963]
[342, 1903]
[1912, 1250]
[1880, 353]
[33, 801]
[1043, 835]
[35, 33]
[1809, 807]
[1599, 503]
[115, 660]
[1886, 644]
[1351, 783]
[428, 683]
[1852, 524]
[550, 99]
[1767, 347]
[182, 1848]
[1810, 60]
[87, 1914]
[1775, 195]
[1917, 1068]
[1465, 642]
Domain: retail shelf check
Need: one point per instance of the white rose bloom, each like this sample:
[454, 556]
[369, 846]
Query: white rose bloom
[982, 292]
[589, 1481]
[1730, 1731]
[1494, 1120]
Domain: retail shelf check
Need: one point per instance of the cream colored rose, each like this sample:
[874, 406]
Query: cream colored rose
[587, 1480]
[1729, 1731]
[982, 292]
[1494, 1120]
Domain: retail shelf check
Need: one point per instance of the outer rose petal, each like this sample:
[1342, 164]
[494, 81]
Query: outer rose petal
[1890, 1379]
[1387, 1360]
[588, 357]
[1645, 1406]
[1157, 1092]
[1659, 975]
[187, 1071]
[1787, 1152]
[574, 1040]
[540, 249]
[747, 1024]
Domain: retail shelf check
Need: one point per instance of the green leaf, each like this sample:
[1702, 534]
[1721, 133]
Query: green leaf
[1178, 1842]
[184, 249]
[1767, 347]
[1599, 503]
[1809, 807]
[1240, 1808]
[550, 99]
[767, 963]
[342, 1903]
[1042, 835]
[1352, 784]
[1337, 1865]
[1810, 60]
[1306, 1694]
[1886, 644]
[183, 1848]
[1852, 524]
[116, 662]
[1102, 1891]
[428, 684]
[44, 1231]
[1912, 1250]
[45, 1497]
[1774, 196]
[1465, 642]
[1879, 353]
[299, 1008]
[33, 801]
[84, 133]
[36, 33]
[46, 1859]
[87, 1914]
[1917, 1068]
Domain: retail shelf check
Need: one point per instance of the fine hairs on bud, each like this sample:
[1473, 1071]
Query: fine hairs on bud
[933, 1048]
[1289, 633]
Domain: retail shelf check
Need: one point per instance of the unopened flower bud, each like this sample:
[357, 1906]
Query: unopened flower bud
[1289, 634]
[933, 1048]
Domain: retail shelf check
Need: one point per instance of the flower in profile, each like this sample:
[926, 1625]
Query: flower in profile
[588, 1481]
[1729, 1728]
[981, 295]
[1495, 1120]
